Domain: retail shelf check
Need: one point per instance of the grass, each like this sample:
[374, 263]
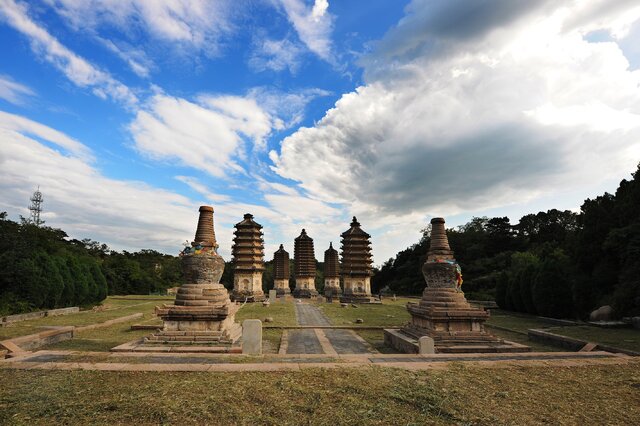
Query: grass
[283, 314]
[595, 394]
[387, 314]
[110, 309]
[517, 322]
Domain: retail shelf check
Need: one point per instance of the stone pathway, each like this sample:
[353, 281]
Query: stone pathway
[322, 341]
[74, 360]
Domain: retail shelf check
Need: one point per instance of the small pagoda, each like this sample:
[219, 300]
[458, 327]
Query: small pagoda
[443, 313]
[281, 272]
[331, 272]
[248, 259]
[202, 313]
[356, 265]
[305, 266]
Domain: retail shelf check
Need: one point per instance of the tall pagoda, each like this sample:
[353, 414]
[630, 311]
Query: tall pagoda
[281, 272]
[202, 312]
[248, 258]
[356, 265]
[443, 314]
[331, 272]
[305, 266]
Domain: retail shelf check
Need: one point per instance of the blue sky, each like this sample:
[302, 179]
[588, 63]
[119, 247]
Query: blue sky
[129, 114]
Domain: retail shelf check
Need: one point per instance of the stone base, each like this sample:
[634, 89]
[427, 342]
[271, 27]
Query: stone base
[241, 296]
[358, 298]
[406, 343]
[332, 291]
[304, 293]
[226, 336]
[282, 291]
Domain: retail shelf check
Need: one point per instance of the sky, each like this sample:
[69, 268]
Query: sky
[129, 114]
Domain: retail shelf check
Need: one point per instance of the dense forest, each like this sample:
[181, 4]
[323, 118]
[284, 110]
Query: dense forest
[554, 263]
[40, 268]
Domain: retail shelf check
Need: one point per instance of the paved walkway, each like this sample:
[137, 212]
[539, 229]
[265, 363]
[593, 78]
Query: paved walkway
[321, 341]
[74, 360]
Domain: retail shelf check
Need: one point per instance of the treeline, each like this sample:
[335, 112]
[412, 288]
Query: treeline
[40, 268]
[554, 263]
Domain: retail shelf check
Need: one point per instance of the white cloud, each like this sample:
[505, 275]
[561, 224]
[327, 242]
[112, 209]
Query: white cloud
[208, 134]
[13, 92]
[74, 67]
[275, 55]
[471, 108]
[19, 124]
[136, 59]
[198, 24]
[313, 25]
[125, 214]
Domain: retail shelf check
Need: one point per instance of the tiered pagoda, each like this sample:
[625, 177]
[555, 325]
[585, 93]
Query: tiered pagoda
[281, 272]
[248, 258]
[331, 272]
[305, 266]
[202, 313]
[443, 314]
[356, 265]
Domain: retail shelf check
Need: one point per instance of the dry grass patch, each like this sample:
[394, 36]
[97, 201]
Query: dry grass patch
[594, 394]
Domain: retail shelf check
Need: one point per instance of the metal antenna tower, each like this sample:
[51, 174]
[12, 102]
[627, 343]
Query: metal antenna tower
[36, 207]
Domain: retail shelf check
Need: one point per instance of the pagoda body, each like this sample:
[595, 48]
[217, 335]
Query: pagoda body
[331, 272]
[248, 258]
[305, 266]
[443, 313]
[356, 265]
[281, 272]
[202, 312]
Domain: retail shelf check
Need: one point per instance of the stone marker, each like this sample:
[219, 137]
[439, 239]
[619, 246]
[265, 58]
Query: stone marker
[635, 321]
[426, 345]
[272, 296]
[252, 337]
[603, 313]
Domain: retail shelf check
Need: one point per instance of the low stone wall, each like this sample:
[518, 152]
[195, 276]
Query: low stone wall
[571, 343]
[47, 337]
[62, 311]
[110, 322]
[40, 314]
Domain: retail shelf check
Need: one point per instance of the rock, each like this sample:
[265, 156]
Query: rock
[359, 320]
[603, 313]
[266, 303]
[344, 305]
[635, 321]
[268, 319]
[354, 305]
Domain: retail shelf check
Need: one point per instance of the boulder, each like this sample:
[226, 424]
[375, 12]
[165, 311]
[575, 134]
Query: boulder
[359, 320]
[603, 313]
[268, 319]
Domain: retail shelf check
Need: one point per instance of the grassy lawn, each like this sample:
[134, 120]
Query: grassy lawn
[602, 394]
[101, 339]
[110, 309]
[627, 338]
[518, 322]
[389, 313]
[283, 314]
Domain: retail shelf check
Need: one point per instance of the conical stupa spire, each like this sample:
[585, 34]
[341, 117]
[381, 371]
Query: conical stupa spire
[439, 241]
[205, 235]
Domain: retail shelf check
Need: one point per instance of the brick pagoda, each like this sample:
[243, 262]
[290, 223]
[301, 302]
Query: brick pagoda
[331, 272]
[305, 266]
[355, 269]
[248, 259]
[281, 272]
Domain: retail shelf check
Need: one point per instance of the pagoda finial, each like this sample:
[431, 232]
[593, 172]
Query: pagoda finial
[439, 246]
[355, 222]
[248, 216]
[205, 235]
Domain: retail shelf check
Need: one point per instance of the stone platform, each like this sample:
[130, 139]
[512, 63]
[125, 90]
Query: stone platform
[409, 344]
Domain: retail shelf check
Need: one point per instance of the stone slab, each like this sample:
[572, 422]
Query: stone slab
[252, 337]
[347, 342]
[426, 345]
[273, 295]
